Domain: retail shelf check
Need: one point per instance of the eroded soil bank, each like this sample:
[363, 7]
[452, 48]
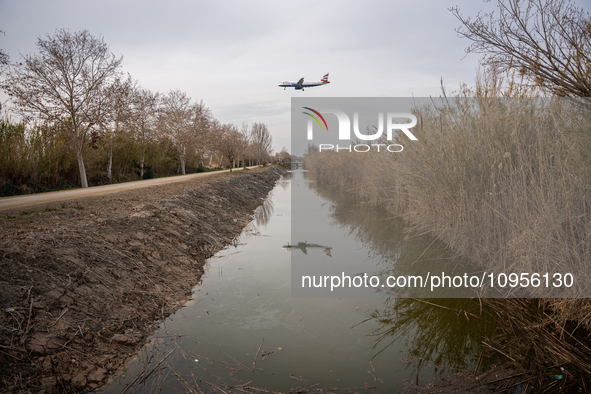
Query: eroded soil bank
[85, 282]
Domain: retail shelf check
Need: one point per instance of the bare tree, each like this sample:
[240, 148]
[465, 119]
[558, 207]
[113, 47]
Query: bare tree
[118, 95]
[547, 41]
[4, 59]
[246, 145]
[176, 121]
[283, 154]
[312, 148]
[230, 143]
[144, 108]
[262, 141]
[201, 123]
[64, 84]
[216, 129]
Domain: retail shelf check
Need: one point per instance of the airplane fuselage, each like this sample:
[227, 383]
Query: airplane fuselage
[301, 84]
[290, 84]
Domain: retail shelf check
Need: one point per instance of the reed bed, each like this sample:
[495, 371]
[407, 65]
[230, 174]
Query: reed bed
[553, 354]
[502, 181]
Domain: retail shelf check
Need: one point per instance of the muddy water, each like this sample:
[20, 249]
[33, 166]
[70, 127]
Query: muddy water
[243, 309]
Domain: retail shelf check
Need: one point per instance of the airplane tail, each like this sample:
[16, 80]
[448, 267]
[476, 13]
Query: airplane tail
[325, 78]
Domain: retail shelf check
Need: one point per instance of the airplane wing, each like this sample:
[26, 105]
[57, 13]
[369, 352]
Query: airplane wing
[303, 247]
[300, 83]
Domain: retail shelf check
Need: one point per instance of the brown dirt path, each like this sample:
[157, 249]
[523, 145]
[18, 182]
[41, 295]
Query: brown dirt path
[84, 282]
[44, 198]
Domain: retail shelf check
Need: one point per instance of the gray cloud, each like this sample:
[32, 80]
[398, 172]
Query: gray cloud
[232, 54]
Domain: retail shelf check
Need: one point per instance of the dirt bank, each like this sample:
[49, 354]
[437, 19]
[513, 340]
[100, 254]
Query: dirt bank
[85, 282]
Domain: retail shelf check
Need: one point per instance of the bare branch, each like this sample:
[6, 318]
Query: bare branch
[64, 83]
[547, 41]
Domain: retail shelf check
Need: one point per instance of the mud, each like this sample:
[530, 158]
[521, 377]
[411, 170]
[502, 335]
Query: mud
[83, 283]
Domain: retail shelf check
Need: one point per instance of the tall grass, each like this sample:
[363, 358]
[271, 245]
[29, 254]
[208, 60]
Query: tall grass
[34, 161]
[40, 158]
[504, 182]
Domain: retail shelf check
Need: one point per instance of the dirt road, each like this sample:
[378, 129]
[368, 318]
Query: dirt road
[40, 198]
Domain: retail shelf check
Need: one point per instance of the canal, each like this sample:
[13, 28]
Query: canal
[243, 327]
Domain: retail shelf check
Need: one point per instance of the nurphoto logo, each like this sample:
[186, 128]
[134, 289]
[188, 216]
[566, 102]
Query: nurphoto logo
[395, 121]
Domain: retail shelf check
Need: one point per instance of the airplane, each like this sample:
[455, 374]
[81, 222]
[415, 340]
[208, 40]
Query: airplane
[300, 85]
[304, 246]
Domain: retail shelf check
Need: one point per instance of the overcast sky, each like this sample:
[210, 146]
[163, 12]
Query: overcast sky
[233, 54]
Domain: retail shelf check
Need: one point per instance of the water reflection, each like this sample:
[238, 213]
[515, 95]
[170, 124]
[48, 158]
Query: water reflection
[285, 181]
[305, 246]
[263, 213]
[260, 218]
[444, 333]
[393, 250]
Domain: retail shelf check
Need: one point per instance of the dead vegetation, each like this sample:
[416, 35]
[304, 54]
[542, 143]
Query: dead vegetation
[552, 353]
[541, 353]
[503, 179]
[157, 372]
[85, 282]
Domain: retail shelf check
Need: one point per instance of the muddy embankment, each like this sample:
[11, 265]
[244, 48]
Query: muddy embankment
[85, 282]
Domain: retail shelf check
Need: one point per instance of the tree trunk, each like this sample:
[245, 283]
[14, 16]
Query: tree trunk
[210, 161]
[183, 165]
[183, 162]
[142, 167]
[110, 163]
[111, 143]
[79, 148]
[83, 181]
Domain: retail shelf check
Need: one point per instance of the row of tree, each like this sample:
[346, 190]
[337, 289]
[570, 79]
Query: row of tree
[74, 89]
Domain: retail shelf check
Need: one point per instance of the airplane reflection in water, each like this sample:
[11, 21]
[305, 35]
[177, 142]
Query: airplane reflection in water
[304, 246]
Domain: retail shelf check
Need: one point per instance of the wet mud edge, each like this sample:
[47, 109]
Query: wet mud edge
[84, 283]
